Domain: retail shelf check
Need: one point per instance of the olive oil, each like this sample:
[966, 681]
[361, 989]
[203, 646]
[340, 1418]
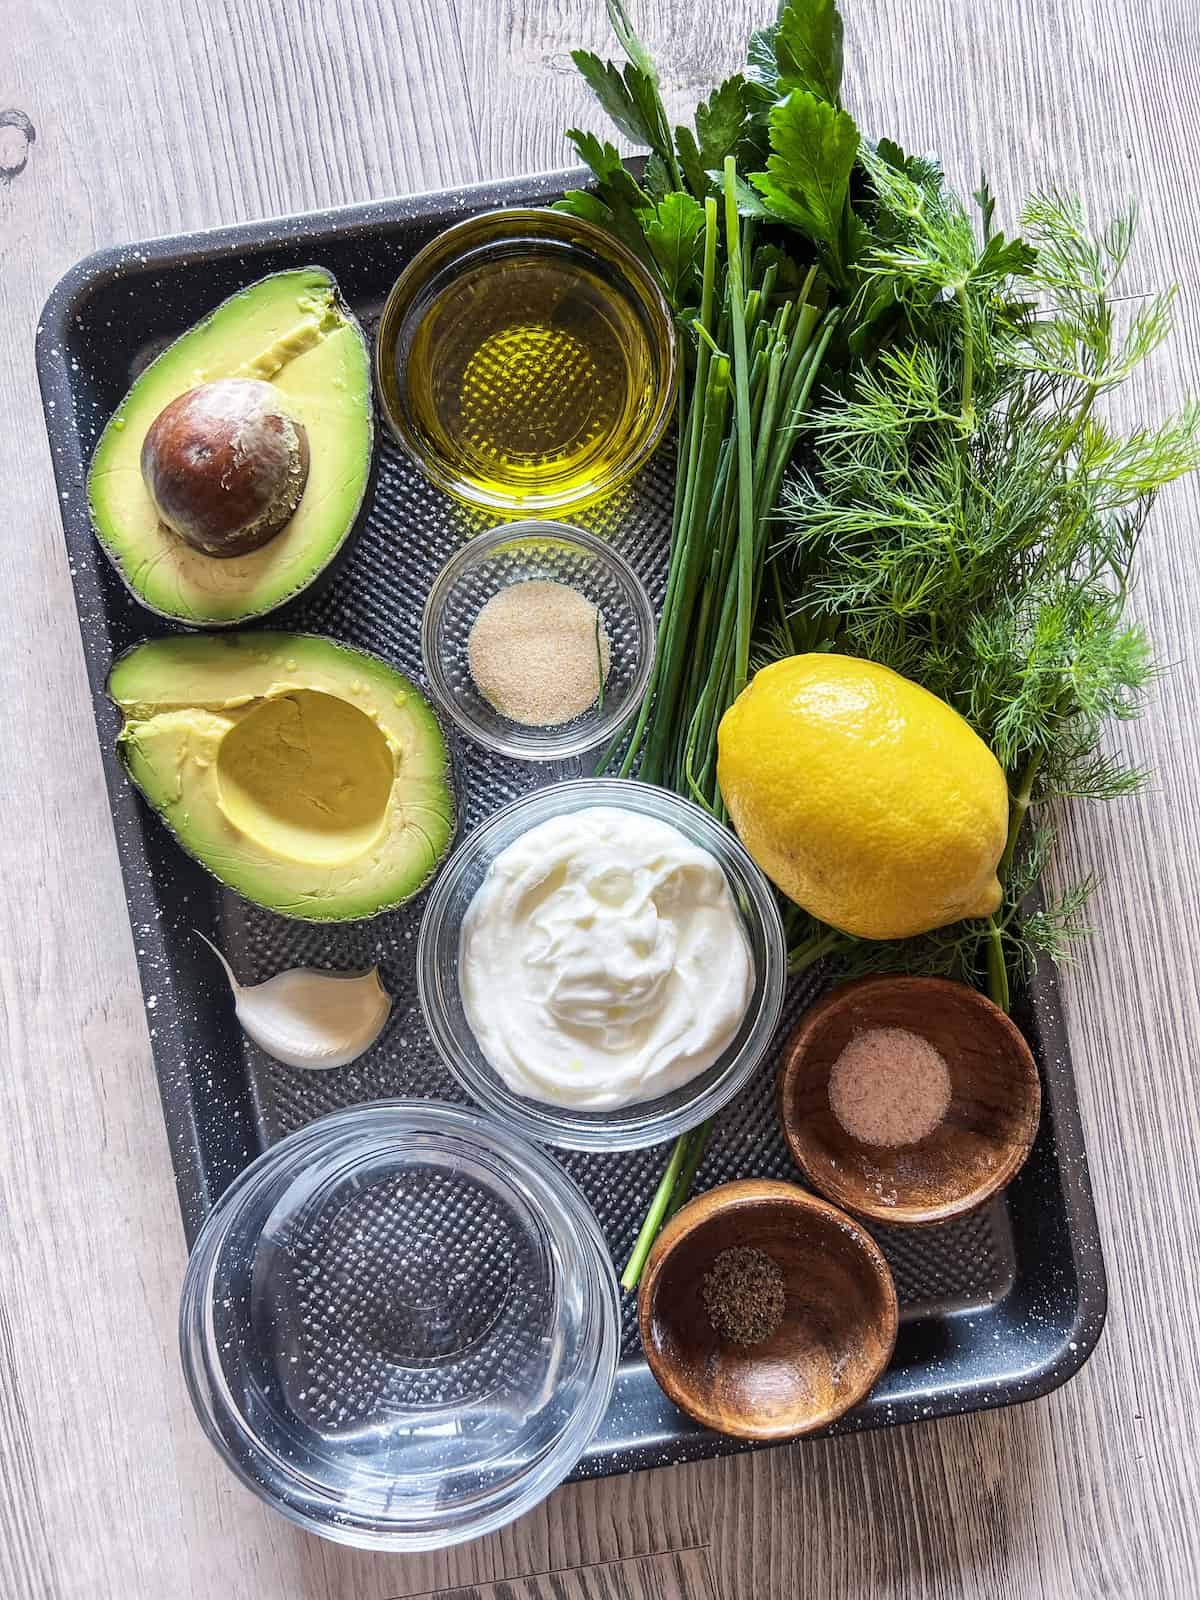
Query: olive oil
[529, 374]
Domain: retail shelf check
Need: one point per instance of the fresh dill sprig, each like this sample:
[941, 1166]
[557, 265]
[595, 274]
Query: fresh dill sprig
[970, 518]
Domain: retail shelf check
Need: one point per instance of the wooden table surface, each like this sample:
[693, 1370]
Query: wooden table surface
[127, 118]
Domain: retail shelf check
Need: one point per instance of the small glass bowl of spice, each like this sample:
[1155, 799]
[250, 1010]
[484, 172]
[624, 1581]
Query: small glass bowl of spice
[538, 640]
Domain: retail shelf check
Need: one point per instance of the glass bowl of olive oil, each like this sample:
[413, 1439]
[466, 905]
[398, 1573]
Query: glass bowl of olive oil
[527, 362]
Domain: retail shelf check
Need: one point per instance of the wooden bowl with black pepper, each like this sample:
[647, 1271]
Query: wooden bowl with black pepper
[765, 1312]
[908, 1100]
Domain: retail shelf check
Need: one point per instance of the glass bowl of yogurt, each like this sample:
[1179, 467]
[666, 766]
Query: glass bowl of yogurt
[602, 965]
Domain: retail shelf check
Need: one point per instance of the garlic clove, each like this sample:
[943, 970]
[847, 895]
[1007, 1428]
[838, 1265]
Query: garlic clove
[308, 1018]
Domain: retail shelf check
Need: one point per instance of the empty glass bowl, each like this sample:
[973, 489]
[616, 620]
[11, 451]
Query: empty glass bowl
[646, 1122]
[400, 1326]
[520, 553]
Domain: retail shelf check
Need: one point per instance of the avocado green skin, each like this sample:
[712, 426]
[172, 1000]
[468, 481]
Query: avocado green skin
[240, 589]
[163, 673]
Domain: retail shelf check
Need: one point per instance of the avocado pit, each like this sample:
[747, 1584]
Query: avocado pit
[226, 465]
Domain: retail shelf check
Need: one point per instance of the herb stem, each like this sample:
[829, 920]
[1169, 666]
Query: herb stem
[968, 358]
[1018, 811]
[678, 624]
[745, 544]
[657, 1213]
[810, 951]
[673, 1189]
[1071, 437]
[633, 47]
[997, 966]
[689, 426]
[698, 1141]
[999, 987]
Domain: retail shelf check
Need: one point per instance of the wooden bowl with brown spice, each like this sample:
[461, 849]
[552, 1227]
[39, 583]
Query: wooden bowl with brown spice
[908, 1100]
[765, 1312]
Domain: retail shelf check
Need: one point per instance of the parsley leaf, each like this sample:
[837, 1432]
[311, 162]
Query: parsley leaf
[616, 182]
[584, 204]
[749, 202]
[807, 180]
[656, 180]
[721, 122]
[629, 97]
[924, 171]
[721, 119]
[675, 234]
[691, 162]
[802, 50]
[617, 218]
[629, 41]
[890, 153]
[986, 201]
[1002, 258]
[618, 201]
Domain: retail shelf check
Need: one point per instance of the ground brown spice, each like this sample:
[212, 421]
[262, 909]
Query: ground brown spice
[889, 1087]
[539, 652]
[743, 1294]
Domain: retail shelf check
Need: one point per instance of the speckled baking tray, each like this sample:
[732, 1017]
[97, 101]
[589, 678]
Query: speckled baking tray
[999, 1307]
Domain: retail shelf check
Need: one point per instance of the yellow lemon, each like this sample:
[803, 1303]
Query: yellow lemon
[865, 798]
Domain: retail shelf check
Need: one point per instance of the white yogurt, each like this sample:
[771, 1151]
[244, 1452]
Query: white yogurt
[603, 960]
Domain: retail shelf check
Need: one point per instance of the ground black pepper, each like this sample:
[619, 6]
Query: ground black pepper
[743, 1295]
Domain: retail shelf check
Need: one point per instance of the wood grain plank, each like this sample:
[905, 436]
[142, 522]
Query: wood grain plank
[581, 1525]
[27, 1558]
[151, 117]
[684, 1575]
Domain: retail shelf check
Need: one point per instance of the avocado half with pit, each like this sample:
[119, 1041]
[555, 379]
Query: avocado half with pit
[235, 468]
[312, 778]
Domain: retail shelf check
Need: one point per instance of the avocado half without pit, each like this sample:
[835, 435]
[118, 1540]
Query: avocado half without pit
[235, 469]
[311, 778]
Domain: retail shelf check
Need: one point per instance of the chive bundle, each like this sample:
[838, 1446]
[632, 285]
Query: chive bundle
[739, 417]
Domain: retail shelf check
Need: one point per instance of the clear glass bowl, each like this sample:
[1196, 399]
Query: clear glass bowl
[646, 1122]
[556, 276]
[400, 1326]
[519, 553]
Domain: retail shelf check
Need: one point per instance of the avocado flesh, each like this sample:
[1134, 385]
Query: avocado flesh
[290, 330]
[311, 778]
